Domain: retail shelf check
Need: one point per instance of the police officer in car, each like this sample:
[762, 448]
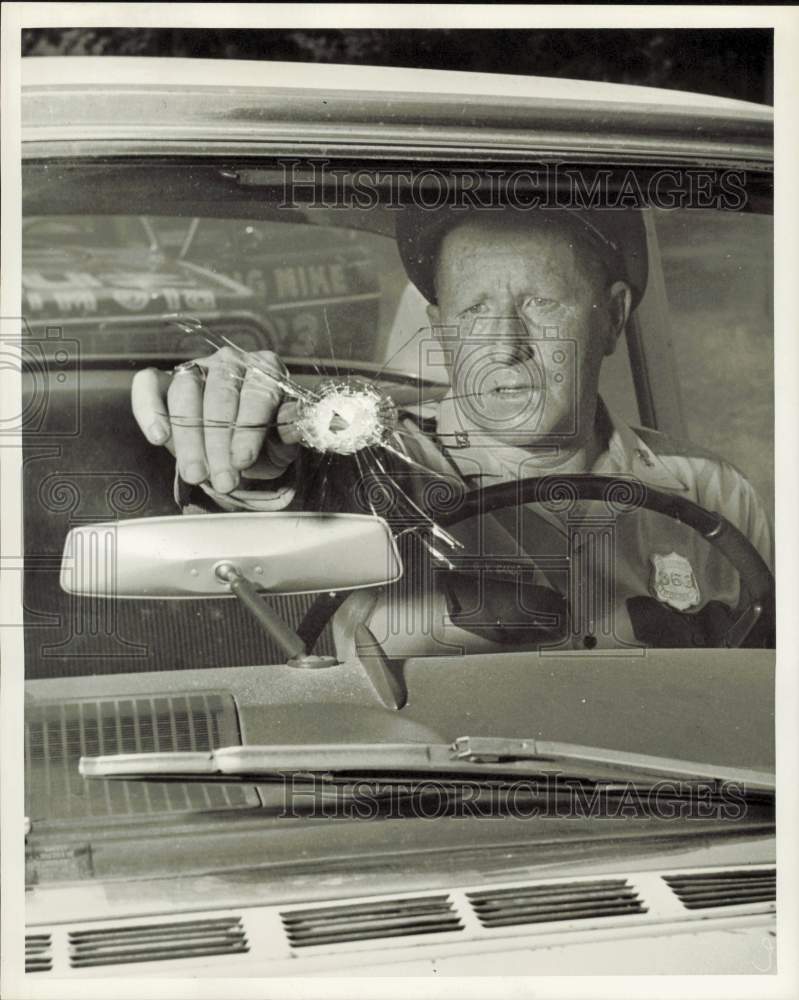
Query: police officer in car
[526, 306]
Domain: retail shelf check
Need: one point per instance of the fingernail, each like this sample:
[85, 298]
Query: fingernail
[195, 472]
[157, 433]
[224, 482]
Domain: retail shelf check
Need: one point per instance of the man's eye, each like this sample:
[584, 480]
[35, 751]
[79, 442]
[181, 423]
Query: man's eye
[473, 310]
[541, 303]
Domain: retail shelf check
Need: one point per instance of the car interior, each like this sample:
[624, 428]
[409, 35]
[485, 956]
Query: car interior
[324, 286]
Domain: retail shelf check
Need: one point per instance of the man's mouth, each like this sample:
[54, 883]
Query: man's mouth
[511, 391]
[512, 383]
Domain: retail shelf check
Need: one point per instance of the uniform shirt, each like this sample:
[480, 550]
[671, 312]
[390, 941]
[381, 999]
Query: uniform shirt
[631, 580]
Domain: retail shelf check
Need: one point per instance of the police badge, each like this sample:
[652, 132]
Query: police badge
[673, 581]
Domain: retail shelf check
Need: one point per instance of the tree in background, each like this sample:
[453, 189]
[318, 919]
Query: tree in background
[729, 63]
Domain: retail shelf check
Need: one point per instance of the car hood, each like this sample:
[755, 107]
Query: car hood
[711, 706]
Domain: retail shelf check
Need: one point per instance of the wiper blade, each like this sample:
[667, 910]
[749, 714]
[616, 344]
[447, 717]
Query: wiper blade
[467, 756]
[254, 762]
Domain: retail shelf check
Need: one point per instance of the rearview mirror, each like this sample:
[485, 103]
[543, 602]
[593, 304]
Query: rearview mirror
[179, 557]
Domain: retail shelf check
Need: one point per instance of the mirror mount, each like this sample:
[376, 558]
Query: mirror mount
[269, 621]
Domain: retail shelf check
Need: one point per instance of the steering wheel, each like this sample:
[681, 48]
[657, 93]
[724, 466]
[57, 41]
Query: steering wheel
[753, 620]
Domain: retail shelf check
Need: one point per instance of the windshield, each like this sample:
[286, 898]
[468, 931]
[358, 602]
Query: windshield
[331, 290]
[421, 368]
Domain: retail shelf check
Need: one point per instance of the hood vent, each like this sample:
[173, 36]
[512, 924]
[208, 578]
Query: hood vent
[38, 957]
[566, 901]
[58, 733]
[730, 888]
[362, 921]
[157, 942]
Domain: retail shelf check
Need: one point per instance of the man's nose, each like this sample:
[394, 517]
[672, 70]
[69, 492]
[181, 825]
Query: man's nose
[510, 340]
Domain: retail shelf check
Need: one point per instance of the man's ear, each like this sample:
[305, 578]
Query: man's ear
[620, 299]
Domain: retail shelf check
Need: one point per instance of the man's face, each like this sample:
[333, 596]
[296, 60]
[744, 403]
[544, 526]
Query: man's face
[534, 315]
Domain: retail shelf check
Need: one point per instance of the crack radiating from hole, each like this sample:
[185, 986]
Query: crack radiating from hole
[346, 416]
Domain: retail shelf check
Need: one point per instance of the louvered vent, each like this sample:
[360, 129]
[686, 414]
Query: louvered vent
[37, 953]
[730, 888]
[57, 734]
[157, 942]
[567, 901]
[362, 921]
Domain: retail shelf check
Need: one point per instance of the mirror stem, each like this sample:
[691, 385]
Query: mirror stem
[274, 626]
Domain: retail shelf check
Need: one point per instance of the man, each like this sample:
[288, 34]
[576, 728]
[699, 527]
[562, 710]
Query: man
[525, 305]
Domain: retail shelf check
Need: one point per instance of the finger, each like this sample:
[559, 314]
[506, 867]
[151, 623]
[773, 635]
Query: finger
[258, 404]
[148, 402]
[276, 455]
[285, 424]
[185, 402]
[281, 443]
[220, 409]
[280, 455]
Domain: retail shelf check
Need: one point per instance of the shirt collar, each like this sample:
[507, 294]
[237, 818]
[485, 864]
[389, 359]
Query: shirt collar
[627, 454]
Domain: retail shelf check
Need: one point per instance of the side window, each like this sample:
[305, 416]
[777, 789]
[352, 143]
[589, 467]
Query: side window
[718, 273]
[616, 385]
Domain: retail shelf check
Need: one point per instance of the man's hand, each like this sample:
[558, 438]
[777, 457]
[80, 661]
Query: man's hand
[220, 419]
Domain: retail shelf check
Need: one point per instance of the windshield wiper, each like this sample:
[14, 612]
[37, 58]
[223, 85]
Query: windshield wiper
[468, 756]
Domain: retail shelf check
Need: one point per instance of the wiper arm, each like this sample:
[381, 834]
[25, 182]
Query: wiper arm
[487, 750]
[468, 755]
